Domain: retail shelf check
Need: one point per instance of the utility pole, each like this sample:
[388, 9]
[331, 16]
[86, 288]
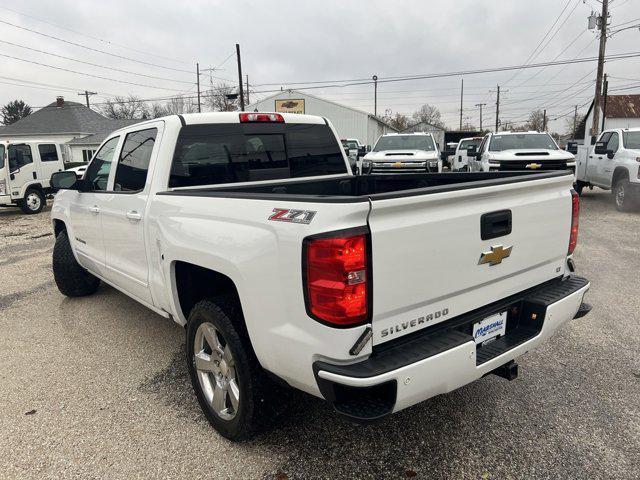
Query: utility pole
[603, 43]
[86, 95]
[480, 105]
[240, 77]
[375, 95]
[605, 90]
[498, 109]
[248, 102]
[461, 97]
[544, 120]
[198, 83]
[575, 121]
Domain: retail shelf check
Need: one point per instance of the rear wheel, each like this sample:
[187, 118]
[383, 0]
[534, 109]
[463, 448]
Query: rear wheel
[72, 280]
[622, 196]
[33, 202]
[228, 381]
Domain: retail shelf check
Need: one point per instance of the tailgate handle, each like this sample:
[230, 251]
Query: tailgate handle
[495, 224]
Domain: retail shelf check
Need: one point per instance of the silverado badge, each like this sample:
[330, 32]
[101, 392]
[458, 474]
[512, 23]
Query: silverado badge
[495, 256]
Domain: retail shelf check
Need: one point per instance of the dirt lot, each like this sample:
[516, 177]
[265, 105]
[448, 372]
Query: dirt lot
[97, 388]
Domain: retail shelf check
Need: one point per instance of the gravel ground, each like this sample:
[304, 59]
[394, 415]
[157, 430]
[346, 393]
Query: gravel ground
[97, 388]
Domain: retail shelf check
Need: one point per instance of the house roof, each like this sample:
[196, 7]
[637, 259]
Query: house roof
[99, 137]
[378, 119]
[70, 118]
[623, 106]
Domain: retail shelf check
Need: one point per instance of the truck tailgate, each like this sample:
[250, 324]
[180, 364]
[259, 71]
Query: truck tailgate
[426, 250]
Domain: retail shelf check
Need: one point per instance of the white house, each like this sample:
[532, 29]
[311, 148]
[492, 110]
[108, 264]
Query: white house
[348, 121]
[620, 111]
[77, 129]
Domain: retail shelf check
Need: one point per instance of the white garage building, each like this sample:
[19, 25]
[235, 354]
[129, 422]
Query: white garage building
[349, 122]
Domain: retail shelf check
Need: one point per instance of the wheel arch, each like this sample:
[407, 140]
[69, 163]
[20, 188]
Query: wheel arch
[31, 185]
[619, 173]
[58, 227]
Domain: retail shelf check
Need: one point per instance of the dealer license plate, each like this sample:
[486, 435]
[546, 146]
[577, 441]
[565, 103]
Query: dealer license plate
[490, 328]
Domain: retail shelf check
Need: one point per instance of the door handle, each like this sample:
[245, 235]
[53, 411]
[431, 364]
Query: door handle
[134, 215]
[94, 209]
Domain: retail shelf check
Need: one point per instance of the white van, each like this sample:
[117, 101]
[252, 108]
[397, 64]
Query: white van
[25, 170]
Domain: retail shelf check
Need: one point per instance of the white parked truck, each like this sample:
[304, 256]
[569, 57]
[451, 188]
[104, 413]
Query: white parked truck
[519, 151]
[403, 152]
[373, 292]
[612, 164]
[25, 170]
[460, 160]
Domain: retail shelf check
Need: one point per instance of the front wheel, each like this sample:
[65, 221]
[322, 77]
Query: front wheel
[229, 383]
[72, 280]
[622, 196]
[33, 202]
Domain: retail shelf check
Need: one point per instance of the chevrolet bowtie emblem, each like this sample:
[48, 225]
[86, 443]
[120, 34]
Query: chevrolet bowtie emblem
[533, 166]
[495, 256]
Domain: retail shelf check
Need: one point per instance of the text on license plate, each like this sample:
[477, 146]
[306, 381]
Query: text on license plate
[490, 328]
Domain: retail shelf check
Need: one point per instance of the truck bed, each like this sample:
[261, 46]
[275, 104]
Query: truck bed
[348, 189]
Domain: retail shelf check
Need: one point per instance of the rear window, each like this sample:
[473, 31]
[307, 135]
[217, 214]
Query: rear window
[48, 152]
[464, 144]
[522, 141]
[228, 153]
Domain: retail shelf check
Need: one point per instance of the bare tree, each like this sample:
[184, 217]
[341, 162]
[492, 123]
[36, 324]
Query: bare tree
[536, 121]
[398, 120]
[130, 107]
[179, 105]
[158, 110]
[222, 98]
[428, 114]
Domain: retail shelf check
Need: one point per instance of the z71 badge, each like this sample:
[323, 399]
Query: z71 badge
[292, 216]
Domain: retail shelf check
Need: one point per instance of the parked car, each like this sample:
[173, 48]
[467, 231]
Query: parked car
[355, 151]
[612, 164]
[78, 170]
[372, 292]
[25, 170]
[403, 152]
[519, 151]
[460, 161]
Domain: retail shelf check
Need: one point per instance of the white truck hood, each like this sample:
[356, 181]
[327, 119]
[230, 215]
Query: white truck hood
[401, 155]
[538, 154]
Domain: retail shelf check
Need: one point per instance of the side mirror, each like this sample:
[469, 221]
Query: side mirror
[362, 151]
[593, 140]
[368, 148]
[610, 154]
[600, 148]
[65, 180]
[472, 151]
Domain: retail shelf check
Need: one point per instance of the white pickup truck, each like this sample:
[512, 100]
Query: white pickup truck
[519, 151]
[373, 292]
[403, 152]
[613, 164]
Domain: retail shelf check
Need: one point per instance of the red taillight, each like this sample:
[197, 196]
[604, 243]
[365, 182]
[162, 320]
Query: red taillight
[261, 117]
[336, 279]
[575, 212]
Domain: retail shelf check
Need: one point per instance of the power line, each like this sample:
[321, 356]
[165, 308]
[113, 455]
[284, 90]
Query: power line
[95, 64]
[108, 42]
[87, 74]
[93, 49]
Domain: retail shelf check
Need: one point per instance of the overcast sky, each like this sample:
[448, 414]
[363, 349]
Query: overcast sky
[284, 42]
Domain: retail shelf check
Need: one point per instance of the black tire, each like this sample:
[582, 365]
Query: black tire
[72, 280]
[256, 390]
[622, 196]
[33, 202]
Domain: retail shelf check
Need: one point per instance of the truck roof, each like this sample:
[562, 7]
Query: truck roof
[530, 132]
[406, 134]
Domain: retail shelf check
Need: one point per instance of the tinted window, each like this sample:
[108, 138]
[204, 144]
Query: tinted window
[19, 156]
[133, 165]
[613, 142]
[98, 170]
[48, 152]
[224, 153]
[465, 143]
[405, 142]
[631, 140]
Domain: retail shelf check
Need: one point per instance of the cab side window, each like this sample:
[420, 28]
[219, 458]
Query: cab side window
[613, 142]
[133, 165]
[48, 152]
[97, 173]
[19, 156]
